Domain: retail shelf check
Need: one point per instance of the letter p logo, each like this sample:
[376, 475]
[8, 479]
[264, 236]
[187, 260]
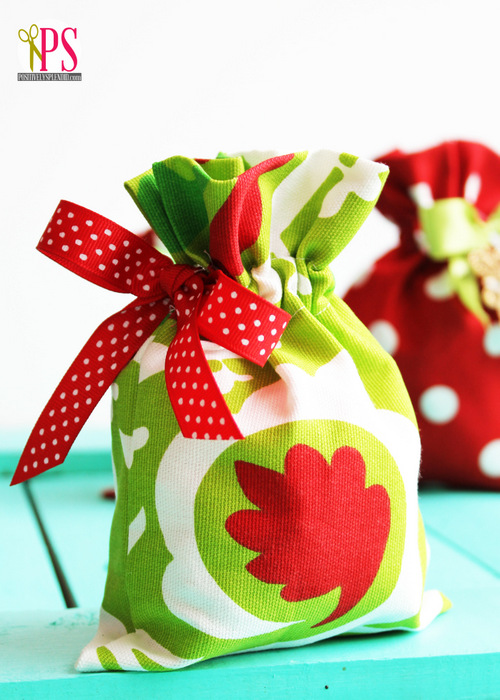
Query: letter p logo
[55, 41]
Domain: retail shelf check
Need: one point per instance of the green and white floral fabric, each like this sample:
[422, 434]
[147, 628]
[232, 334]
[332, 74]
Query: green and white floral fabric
[309, 527]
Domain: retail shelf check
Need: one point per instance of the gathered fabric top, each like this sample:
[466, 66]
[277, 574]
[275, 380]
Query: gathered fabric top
[451, 170]
[245, 211]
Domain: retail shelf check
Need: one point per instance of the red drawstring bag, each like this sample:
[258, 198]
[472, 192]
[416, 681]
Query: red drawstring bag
[434, 304]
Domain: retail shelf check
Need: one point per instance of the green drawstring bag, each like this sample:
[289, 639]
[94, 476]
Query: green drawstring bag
[304, 524]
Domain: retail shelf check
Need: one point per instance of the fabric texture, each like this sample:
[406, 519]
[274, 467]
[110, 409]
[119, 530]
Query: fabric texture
[433, 304]
[309, 526]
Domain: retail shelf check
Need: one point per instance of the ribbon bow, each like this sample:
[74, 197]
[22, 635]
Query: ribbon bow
[205, 302]
[453, 230]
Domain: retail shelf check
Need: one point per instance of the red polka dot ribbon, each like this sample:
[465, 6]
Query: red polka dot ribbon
[206, 303]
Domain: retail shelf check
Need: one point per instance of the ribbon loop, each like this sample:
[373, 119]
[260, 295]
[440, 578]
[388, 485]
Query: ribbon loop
[453, 229]
[241, 321]
[205, 301]
[99, 250]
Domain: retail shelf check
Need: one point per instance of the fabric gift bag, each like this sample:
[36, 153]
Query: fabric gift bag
[260, 504]
[434, 301]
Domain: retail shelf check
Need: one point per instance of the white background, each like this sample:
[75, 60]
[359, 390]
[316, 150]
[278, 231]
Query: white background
[193, 78]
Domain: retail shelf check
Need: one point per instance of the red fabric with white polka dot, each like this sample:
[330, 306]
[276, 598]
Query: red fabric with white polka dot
[243, 323]
[450, 362]
[108, 255]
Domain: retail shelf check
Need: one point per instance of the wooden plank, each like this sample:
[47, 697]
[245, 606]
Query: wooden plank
[27, 580]
[468, 520]
[39, 656]
[458, 656]
[78, 519]
[447, 572]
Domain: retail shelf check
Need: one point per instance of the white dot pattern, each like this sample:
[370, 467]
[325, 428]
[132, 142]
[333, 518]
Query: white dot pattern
[101, 246]
[439, 404]
[386, 334]
[89, 376]
[94, 370]
[187, 394]
[244, 326]
[94, 243]
[489, 459]
[249, 328]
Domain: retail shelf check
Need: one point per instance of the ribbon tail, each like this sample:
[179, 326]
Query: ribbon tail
[108, 350]
[494, 221]
[233, 317]
[466, 286]
[252, 326]
[197, 402]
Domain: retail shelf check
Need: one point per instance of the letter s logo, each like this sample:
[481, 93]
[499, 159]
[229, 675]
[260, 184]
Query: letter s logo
[68, 48]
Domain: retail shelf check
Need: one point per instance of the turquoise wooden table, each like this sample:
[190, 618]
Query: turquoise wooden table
[53, 556]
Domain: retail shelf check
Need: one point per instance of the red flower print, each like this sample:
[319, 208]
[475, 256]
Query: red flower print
[317, 528]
